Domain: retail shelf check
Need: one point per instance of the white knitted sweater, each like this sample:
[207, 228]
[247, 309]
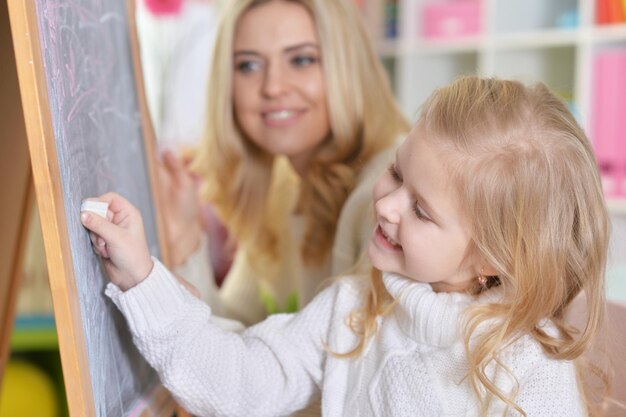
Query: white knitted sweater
[413, 367]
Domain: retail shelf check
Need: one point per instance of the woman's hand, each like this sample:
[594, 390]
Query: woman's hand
[120, 241]
[181, 207]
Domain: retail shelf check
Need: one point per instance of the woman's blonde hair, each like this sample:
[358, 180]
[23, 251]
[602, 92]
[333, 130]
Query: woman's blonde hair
[529, 185]
[242, 181]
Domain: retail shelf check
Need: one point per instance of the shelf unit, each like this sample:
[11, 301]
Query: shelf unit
[617, 206]
[519, 39]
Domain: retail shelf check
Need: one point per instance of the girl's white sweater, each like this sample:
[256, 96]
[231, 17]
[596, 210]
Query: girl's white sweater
[414, 366]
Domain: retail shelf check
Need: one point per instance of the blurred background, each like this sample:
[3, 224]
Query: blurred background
[576, 47]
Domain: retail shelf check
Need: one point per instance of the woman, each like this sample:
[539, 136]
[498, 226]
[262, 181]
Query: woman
[300, 122]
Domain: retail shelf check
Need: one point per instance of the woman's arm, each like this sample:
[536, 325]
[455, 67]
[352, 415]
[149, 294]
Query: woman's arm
[180, 203]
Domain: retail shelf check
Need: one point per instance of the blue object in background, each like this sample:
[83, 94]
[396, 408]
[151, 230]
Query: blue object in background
[568, 19]
[573, 108]
[391, 19]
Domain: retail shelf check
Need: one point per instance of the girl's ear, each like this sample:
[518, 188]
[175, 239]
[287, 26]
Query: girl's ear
[487, 270]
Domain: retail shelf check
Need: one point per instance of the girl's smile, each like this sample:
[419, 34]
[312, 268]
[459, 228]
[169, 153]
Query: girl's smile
[385, 241]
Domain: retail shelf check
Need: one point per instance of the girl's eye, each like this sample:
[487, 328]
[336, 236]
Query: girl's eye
[394, 173]
[419, 213]
[247, 66]
[303, 60]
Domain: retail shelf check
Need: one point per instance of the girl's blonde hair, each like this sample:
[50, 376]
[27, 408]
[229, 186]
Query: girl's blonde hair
[242, 181]
[529, 184]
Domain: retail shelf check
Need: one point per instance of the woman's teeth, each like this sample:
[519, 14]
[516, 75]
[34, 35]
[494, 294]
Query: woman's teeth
[280, 115]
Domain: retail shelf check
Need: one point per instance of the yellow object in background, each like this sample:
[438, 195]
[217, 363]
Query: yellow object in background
[27, 391]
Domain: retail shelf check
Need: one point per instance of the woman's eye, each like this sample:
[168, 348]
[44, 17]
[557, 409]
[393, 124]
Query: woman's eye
[394, 173]
[303, 60]
[247, 66]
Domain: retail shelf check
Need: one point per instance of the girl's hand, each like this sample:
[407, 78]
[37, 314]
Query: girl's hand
[181, 207]
[120, 241]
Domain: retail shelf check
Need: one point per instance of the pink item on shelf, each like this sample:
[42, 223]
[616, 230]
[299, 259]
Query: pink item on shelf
[610, 181]
[608, 124]
[164, 7]
[451, 19]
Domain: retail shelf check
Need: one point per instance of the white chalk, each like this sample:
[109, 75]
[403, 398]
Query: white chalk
[98, 207]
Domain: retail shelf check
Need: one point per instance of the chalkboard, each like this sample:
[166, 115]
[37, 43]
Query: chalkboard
[87, 130]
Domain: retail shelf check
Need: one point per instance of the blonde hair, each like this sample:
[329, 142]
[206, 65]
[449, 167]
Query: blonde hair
[242, 181]
[528, 181]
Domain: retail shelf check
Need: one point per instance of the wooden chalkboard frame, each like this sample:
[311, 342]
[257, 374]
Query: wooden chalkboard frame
[46, 175]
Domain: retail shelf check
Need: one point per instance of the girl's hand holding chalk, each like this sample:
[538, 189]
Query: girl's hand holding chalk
[117, 235]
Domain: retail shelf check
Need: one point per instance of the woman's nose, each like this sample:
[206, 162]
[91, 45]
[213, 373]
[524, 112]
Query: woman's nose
[275, 81]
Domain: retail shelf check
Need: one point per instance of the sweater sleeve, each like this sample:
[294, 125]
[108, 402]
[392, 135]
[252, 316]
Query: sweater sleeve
[273, 368]
[544, 386]
[551, 390]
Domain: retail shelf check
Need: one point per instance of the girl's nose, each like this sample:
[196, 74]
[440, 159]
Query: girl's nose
[388, 207]
[275, 81]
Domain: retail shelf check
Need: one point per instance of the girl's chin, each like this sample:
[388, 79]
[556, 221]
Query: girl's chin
[377, 259]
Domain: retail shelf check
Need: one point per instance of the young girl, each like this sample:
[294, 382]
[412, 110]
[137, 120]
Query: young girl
[489, 222]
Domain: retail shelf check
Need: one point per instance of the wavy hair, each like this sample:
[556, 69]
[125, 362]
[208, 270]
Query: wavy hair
[244, 182]
[528, 180]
